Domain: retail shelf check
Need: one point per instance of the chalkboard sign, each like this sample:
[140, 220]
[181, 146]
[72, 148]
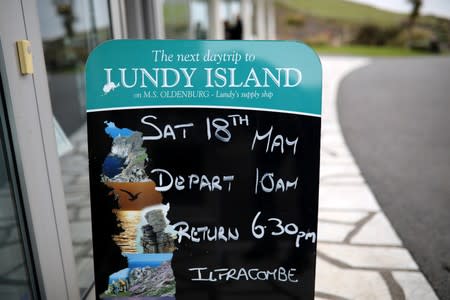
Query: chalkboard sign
[204, 169]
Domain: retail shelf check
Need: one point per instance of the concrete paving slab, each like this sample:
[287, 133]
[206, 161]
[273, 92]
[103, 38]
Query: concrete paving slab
[81, 231]
[85, 213]
[12, 257]
[341, 216]
[415, 286]
[19, 273]
[85, 267]
[377, 231]
[370, 257]
[349, 284]
[347, 197]
[328, 232]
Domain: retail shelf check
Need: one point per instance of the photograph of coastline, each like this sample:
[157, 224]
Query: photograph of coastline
[145, 239]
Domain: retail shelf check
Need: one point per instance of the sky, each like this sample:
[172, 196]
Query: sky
[432, 7]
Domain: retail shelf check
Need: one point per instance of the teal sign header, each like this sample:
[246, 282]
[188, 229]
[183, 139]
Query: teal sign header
[259, 75]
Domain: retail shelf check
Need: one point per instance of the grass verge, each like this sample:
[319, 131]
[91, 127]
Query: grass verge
[357, 50]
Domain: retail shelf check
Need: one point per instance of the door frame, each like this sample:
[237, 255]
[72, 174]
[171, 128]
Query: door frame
[33, 145]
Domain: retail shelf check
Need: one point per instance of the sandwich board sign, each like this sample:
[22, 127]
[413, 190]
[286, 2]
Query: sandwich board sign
[204, 169]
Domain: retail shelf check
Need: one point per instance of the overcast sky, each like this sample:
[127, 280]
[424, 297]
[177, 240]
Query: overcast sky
[432, 7]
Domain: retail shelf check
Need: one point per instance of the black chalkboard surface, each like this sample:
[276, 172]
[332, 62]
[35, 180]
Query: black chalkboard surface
[206, 201]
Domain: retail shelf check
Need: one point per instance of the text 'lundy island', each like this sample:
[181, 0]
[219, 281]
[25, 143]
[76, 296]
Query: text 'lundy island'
[205, 77]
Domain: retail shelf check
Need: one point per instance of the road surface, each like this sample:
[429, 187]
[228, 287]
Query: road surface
[395, 115]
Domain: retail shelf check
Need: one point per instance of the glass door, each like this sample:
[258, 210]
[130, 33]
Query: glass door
[17, 274]
[36, 254]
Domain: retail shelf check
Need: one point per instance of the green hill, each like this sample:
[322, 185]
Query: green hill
[353, 27]
[345, 11]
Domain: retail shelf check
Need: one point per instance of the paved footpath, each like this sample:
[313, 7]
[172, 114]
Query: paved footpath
[359, 254]
[409, 124]
[75, 173]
